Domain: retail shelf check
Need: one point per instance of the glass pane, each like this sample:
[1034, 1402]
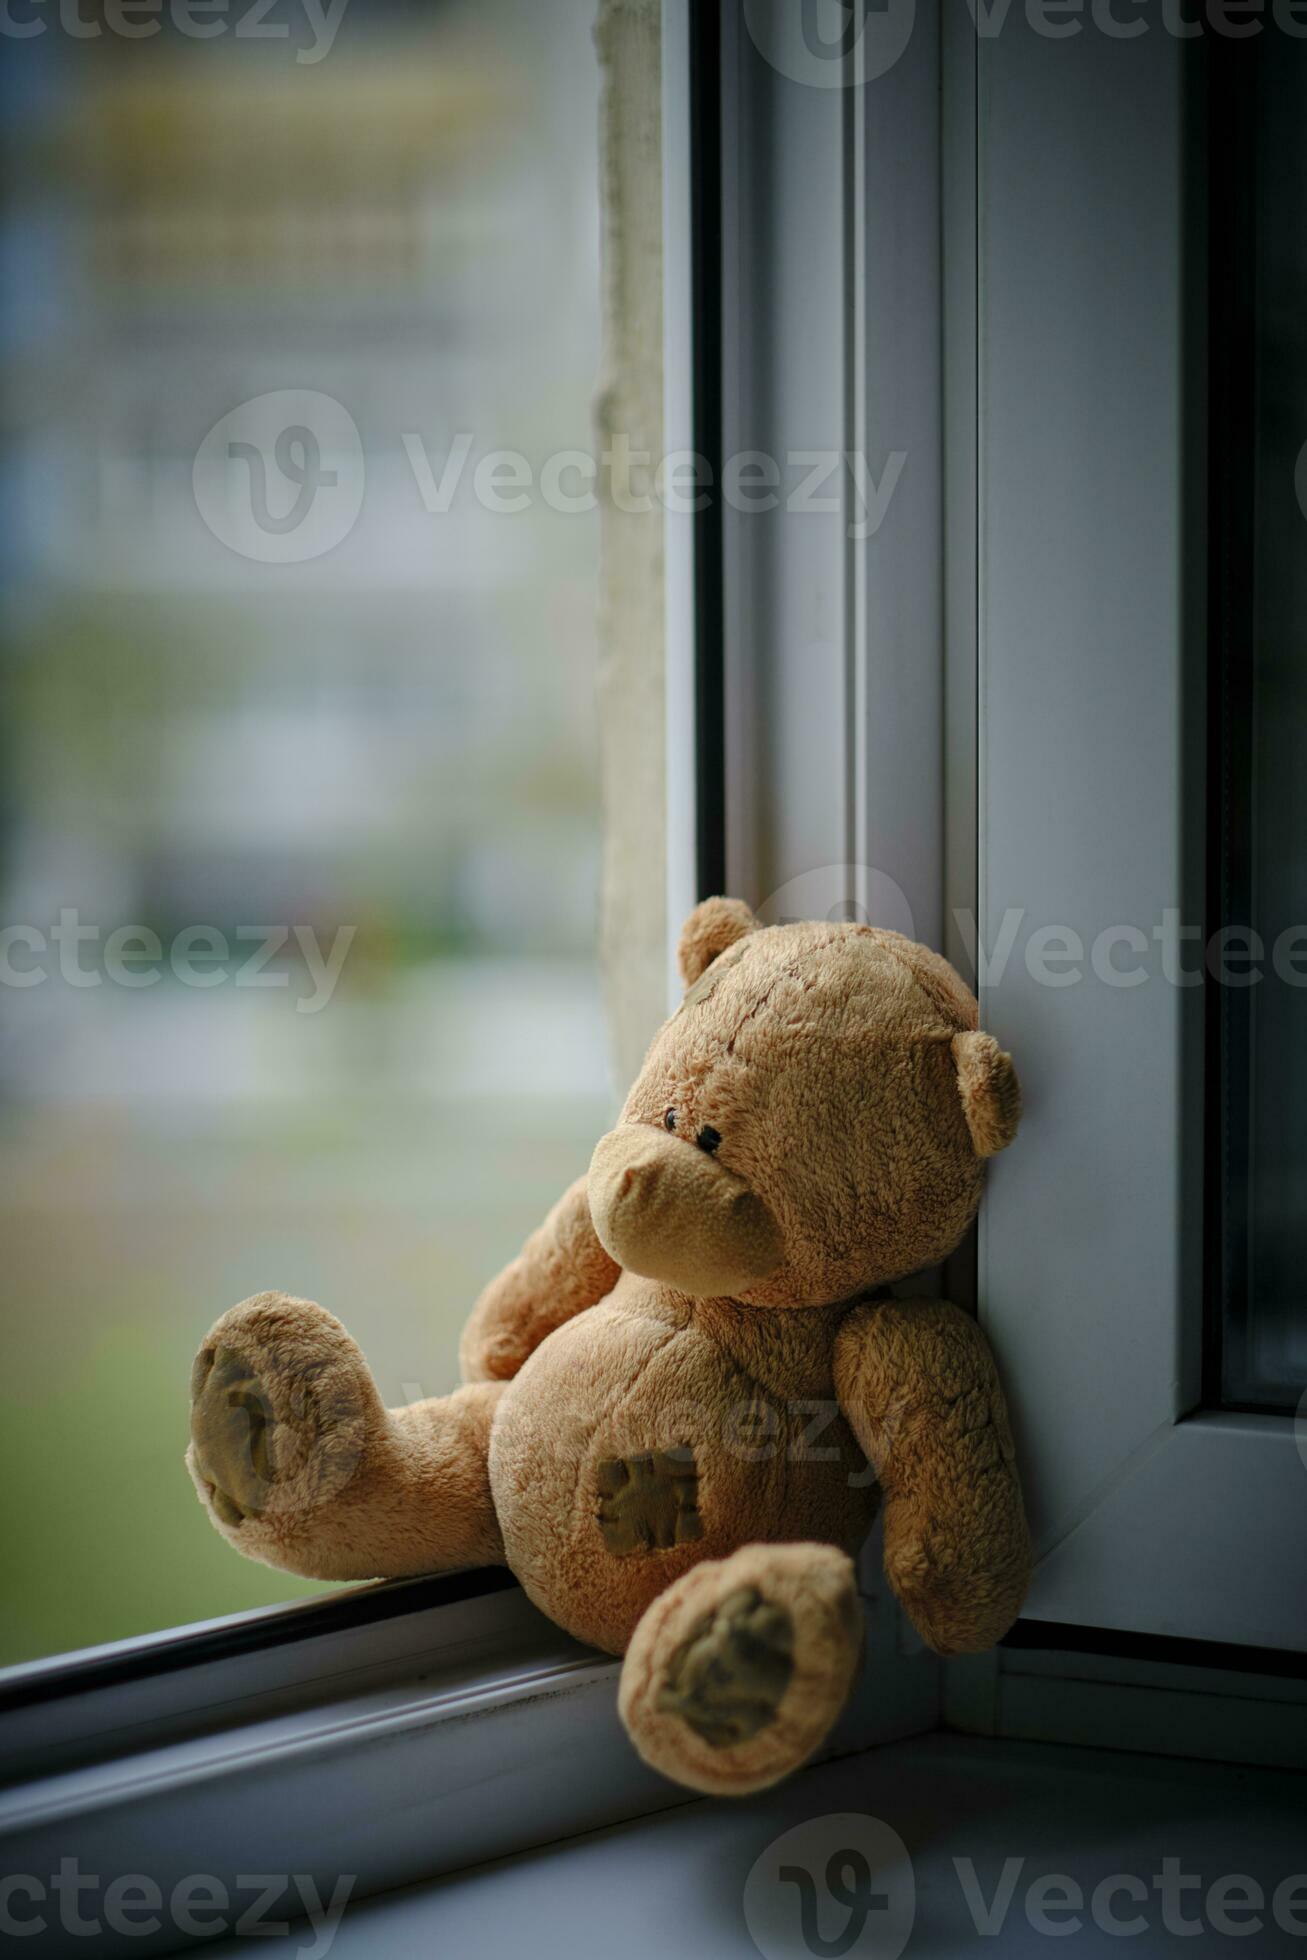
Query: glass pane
[299, 786]
[1257, 170]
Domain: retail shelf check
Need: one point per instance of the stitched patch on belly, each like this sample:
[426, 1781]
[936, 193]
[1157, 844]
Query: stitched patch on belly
[649, 1503]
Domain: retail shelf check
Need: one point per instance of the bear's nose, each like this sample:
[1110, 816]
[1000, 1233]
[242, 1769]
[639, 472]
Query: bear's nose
[670, 1212]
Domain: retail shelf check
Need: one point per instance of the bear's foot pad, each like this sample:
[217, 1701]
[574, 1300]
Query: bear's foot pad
[231, 1420]
[728, 1679]
[283, 1411]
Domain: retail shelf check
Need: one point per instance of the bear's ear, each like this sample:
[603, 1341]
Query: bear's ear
[990, 1092]
[712, 926]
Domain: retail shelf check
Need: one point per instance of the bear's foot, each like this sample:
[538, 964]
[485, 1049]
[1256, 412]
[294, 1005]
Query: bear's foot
[738, 1671]
[283, 1414]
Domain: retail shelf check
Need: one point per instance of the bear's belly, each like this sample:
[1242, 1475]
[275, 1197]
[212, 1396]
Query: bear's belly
[630, 1446]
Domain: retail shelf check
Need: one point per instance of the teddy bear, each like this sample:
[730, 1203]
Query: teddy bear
[686, 1398]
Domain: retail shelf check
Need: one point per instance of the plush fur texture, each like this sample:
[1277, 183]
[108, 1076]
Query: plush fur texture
[688, 1393]
[922, 1391]
[991, 1094]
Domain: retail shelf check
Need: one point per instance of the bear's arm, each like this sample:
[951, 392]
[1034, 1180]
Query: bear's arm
[917, 1384]
[561, 1270]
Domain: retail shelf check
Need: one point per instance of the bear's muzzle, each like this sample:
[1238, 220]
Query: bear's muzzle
[671, 1212]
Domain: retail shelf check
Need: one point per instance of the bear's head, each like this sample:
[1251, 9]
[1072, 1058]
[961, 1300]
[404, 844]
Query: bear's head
[812, 1121]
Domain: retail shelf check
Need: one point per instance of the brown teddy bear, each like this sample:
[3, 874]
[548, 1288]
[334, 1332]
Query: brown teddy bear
[687, 1395]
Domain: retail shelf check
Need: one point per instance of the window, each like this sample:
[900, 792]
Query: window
[954, 662]
[301, 830]
[444, 1706]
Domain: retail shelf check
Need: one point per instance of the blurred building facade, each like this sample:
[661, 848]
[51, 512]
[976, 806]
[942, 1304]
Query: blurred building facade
[397, 737]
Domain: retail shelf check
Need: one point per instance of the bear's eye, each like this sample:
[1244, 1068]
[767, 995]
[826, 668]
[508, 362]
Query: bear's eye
[708, 1138]
[669, 1119]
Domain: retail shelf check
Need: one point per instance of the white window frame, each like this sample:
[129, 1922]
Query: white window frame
[1150, 1513]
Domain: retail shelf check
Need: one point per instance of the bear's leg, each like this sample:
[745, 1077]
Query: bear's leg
[299, 1465]
[737, 1672]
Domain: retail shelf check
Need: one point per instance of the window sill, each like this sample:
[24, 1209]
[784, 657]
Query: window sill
[967, 1812]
